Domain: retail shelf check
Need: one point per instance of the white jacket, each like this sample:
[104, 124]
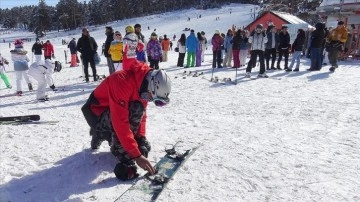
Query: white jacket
[42, 69]
[258, 41]
[182, 49]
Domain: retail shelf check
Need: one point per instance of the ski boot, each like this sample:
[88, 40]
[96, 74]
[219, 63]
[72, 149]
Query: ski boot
[53, 88]
[19, 93]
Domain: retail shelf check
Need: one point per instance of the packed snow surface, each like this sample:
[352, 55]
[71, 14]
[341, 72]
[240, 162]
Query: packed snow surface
[291, 137]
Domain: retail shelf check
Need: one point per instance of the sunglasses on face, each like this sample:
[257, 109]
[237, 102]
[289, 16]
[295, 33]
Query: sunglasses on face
[117, 34]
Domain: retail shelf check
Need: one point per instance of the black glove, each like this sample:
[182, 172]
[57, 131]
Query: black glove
[264, 34]
[143, 145]
[161, 58]
[149, 58]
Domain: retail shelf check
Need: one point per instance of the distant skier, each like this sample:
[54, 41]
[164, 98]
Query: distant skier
[87, 46]
[191, 44]
[199, 49]
[258, 39]
[48, 50]
[153, 49]
[140, 54]
[21, 66]
[109, 38]
[182, 50]
[42, 72]
[116, 51]
[165, 45]
[3, 75]
[37, 49]
[73, 51]
[336, 39]
[217, 42]
[131, 46]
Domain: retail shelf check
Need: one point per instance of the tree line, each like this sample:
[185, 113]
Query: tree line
[71, 14]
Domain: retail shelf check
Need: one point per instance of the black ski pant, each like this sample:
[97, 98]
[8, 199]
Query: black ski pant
[180, 62]
[86, 61]
[285, 53]
[253, 57]
[154, 64]
[270, 53]
[217, 58]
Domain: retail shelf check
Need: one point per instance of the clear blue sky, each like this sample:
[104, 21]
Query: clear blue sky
[13, 3]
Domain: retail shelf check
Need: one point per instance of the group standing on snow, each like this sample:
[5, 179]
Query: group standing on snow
[40, 70]
[264, 45]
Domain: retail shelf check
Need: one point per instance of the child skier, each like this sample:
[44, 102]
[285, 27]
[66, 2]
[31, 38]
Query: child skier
[3, 75]
[21, 67]
[42, 72]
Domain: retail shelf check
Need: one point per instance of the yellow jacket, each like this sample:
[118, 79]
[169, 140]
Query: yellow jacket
[338, 34]
[116, 51]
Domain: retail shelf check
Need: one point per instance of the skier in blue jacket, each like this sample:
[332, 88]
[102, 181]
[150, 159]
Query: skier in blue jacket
[191, 44]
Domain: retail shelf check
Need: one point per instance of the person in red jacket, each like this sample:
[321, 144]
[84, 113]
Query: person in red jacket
[48, 50]
[115, 111]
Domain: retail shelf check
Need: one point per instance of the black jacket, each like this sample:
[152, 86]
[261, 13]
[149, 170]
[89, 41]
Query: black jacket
[298, 44]
[318, 36]
[284, 40]
[268, 45]
[237, 40]
[108, 41]
[37, 49]
[72, 46]
[87, 46]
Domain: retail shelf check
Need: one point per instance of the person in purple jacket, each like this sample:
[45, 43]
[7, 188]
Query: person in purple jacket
[154, 52]
[199, 49]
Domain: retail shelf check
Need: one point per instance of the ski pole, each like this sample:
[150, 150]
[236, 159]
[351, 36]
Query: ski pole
[212, 73]
[236, 75]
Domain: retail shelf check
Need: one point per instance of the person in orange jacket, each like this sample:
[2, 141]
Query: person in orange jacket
[116, 112]
[48, 50]
[165, 45]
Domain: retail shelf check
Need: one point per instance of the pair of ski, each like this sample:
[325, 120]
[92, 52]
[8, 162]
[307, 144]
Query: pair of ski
[190, 74]
[149, 187]
[26, 119]
[226, 80]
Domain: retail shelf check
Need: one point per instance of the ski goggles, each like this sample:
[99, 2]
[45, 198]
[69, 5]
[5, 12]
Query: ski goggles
[160, 102]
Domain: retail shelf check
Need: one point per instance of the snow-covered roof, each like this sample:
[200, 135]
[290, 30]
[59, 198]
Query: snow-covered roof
[335, 2]
[290, 18]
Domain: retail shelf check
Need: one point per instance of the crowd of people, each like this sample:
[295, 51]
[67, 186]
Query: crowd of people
[265, 45]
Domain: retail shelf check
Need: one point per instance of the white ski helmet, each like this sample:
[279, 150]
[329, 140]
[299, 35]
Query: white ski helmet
[159, 84]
